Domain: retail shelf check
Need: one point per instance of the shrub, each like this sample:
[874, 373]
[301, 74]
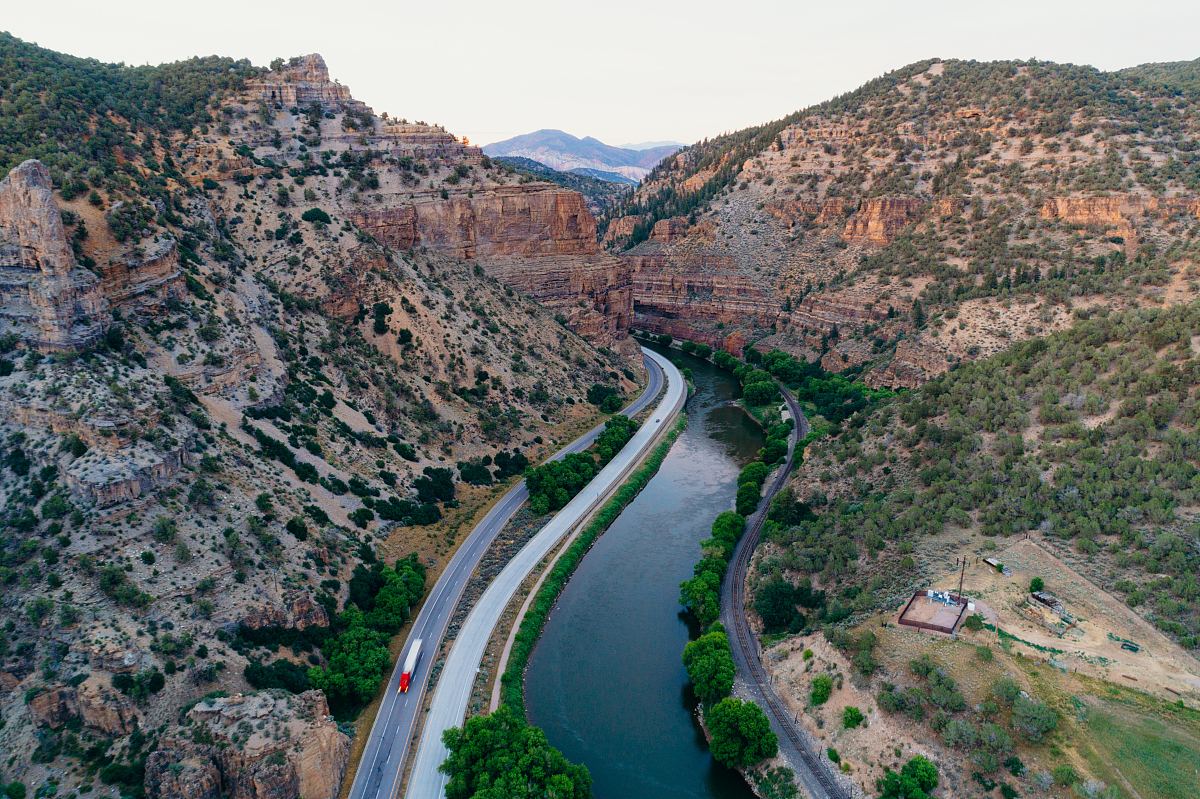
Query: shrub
[914, 781]
[1036, 584]
[1034, 719]
[851, 717]
[821, 690]
[1065, 775]
[316, 216]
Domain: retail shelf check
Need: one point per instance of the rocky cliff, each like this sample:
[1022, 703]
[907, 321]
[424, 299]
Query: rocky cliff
[302, 82]
[269, 745]
[879, 231]
[539, 239]
[46, 299]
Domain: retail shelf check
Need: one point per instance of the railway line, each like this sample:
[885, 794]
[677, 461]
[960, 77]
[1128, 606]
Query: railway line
[815, 776]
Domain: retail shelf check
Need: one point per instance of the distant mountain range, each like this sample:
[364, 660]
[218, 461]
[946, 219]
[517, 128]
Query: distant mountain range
[601, 193]
[566, 153]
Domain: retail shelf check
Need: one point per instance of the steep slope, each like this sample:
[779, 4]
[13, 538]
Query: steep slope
[251, 335]
[564, 152]
[933, 216]
[1070, 461]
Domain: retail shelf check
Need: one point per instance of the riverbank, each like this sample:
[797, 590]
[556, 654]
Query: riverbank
[605, 681]
[457, 676]
[532, 618]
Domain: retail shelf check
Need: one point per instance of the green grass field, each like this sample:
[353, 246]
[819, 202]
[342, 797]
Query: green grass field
[1157, 756]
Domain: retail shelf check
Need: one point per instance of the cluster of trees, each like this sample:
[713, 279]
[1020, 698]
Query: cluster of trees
[500, 755]
[553, 484]
[750, 483]
[701, 595]
[915, 780]
[834, 397]
[68, 111]
[606, 398]
[778, 603]
[356, 653]
[695, 348]
[740, 734]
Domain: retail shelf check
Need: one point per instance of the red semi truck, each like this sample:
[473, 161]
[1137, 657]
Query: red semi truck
[410, 665]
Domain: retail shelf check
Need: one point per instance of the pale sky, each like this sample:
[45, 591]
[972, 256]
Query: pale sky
[619, 70]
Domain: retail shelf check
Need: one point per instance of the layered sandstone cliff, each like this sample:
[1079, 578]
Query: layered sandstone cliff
[45, 298]
[538, 238]
[302, 82]
[879, 219]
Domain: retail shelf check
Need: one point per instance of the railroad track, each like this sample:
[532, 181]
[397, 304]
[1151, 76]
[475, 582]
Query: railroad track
[746, 653]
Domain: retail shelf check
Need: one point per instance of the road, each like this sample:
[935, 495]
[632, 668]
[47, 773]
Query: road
[453, 689]
[382, 763]
[816, 779]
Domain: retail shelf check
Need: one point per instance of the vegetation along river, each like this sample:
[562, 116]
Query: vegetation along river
[606, 681]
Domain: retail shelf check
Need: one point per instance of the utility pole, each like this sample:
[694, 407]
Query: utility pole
[961, 575]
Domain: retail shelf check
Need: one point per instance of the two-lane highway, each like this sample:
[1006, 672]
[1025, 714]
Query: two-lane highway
[383, 758]
[453, 689]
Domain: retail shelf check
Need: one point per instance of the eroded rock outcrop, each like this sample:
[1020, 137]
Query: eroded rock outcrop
[103, 708]
[879, 219]
[107, 478]
[267, 745]
[302, 82]
[45, 298]
[538, 239]
[141, 280]
[299, 612]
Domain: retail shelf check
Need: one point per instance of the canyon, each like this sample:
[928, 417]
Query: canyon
[888, 250]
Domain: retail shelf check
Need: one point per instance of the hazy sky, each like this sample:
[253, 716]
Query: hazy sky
[621, 70]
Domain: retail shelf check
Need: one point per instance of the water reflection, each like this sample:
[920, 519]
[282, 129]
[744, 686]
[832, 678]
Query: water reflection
[606, 682]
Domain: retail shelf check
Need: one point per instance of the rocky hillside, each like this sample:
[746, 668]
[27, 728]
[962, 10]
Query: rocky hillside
[251, 333]
[1070, 462]
[936, 215]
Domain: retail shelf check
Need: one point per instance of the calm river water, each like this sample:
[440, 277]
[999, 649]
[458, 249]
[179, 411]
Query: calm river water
[606, 682]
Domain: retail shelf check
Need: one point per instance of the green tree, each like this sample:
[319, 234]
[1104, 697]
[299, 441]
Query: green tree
[763, 392]
[499, 756]
[775, 604]
[709, 664]
[316, 216]
[741, 734]
[357, 659]
[852, 717]
[1036, 584]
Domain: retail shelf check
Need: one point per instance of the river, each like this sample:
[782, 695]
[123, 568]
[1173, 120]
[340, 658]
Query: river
[606, 682]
